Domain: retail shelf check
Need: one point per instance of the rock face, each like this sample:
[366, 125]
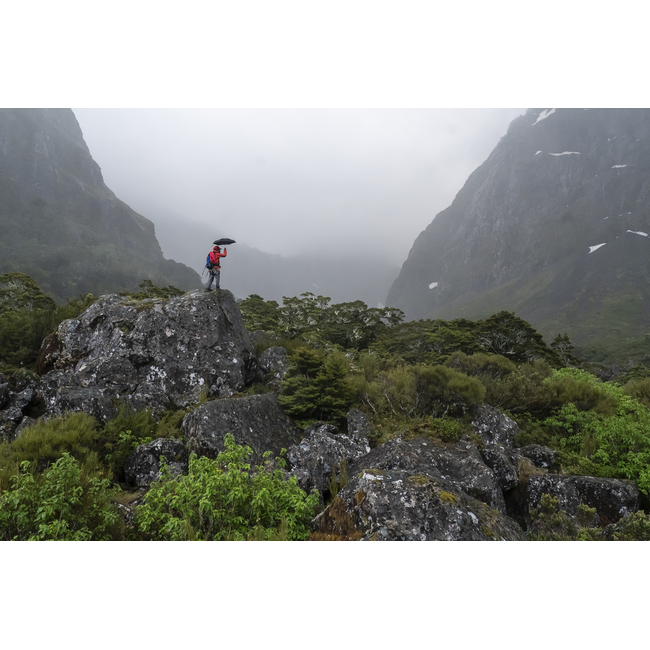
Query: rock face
[142, 467]
[460, 465]
[149, 354]
[388, 505]
[324, 453]
[273, 362]
[256, 421]
[54, 206]
[553, 226]
[498, 434]
[613, 499]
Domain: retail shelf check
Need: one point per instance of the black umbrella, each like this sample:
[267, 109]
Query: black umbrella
[224, 241]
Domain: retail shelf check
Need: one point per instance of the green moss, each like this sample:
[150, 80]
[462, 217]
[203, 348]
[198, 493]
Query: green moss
[418, 480]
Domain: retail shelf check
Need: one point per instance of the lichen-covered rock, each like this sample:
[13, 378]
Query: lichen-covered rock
[25, 423]
[540, 456]
[503, 463]
[494, 427]
[358, 425]
[256, 421]
[612, 498]
[10, 418]
[274, 364]
[402, 504]
[148, 353]
[142, 467]
[459, 465]
[319, 456]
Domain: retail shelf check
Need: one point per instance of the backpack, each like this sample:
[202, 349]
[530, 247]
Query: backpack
[208, 263]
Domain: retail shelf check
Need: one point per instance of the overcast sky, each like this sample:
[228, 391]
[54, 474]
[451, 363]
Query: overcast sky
[291, 181]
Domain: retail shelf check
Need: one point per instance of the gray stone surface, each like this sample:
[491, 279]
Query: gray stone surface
[256, 421]
[407, 504]
[142, 467]
[494, 427]
[612, 498]
[318, 457]
[150, 354]
[459, 465]
[273, 362]
[540, 456]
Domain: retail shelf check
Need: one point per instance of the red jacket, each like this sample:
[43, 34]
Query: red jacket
[214, 257]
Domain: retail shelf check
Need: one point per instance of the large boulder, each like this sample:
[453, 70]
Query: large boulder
[274, 363]
[540, 456]
[612, 498]
[257, 421]
[494, 427]
[142, 467]
[497, 432]
[154, 353]
[404, 504]
[324, 454]
[459, 465]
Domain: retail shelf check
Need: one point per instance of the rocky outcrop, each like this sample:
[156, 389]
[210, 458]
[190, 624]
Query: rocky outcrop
[273, 363]
[498, 434]
[148, 354]
[401, 504]
[256, 421]
[459, 464]
[142, 467]
[612, 498]
[324, 454]
[540, 456]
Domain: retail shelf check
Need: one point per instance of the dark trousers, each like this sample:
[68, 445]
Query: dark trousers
[215, 274]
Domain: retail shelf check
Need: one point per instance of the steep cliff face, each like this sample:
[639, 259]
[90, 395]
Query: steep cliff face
[60, 223]
[553, 226]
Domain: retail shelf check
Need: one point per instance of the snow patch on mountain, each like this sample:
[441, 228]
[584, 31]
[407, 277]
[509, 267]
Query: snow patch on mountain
[618, 166]
[565, 153]
[543, 115]
[638, 232]
[595, 248]
[433, 285]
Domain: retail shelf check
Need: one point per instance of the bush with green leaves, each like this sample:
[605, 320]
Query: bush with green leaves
[416, 391]
[62, 503]
[226, 499]
[610, 429]
[47, 441]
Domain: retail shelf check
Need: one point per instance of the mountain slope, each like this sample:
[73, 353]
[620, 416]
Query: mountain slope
[526, 232]
[60, 224]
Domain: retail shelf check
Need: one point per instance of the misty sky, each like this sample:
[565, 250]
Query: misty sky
[292, 181]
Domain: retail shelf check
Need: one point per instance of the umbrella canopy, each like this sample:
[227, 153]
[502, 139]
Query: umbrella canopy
[224, 241]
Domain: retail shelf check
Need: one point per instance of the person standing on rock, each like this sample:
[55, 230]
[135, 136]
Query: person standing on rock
[214, 266]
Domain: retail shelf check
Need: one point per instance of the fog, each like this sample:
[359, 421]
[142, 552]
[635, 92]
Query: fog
[321, 182]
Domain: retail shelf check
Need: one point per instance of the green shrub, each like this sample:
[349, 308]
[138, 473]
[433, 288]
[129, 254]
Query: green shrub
[578, 387]
[639, 389]
[122, 435]
[441, 391]
[617, 444]
[47, 441]
[224, 499]
[63, 503]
